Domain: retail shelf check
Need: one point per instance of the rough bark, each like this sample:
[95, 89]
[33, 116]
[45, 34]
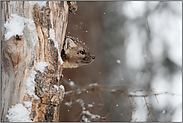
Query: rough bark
[21, 53]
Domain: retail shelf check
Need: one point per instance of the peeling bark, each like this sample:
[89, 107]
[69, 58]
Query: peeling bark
[21, 53]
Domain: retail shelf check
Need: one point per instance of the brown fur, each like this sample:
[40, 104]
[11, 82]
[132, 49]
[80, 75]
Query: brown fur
[75, 54]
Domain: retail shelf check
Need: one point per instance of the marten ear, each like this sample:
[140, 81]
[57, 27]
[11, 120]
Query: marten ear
[69, 43]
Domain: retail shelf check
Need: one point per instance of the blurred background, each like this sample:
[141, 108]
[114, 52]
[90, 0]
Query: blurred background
[137, 43]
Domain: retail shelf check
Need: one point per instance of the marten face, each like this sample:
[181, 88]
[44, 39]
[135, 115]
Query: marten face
[76, 54]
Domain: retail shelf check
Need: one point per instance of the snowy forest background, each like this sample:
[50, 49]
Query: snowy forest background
[137, 43]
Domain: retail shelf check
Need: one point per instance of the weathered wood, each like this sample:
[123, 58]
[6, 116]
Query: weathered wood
[21, 53]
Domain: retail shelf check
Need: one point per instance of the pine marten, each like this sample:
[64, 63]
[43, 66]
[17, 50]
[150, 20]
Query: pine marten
[75, 53]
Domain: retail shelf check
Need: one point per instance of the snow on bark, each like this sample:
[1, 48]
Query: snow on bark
[16, 24]
[57, 87]
[19, 113]
[40, 3]
[52, 36]
[31, 85]
[41, 66]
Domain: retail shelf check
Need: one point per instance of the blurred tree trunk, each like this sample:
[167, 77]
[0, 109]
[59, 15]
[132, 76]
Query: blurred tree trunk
[21, 53]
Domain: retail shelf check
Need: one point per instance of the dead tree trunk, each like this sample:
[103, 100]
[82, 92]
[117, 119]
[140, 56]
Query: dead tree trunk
[31, 65]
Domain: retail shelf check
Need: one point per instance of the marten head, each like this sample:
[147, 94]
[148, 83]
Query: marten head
[75, 53]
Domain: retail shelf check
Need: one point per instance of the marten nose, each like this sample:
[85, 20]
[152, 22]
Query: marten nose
[93, 57]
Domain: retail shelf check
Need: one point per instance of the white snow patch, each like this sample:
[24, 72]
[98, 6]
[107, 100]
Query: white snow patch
[62, 87]
[85, 119]
[90, 105]
[58, 77]
[41, 66]
[18, 113]
[93, 116]
[52, 36]
[57, 87]
[28, 104]
[40, 3]
[94, 84]
[30, 24]
[138, 93]
[113, 90]
[30, 80]
[118, 61]
[15, 25]
[81, 103]
[68, 92]
[68, 103]
[31, 85]
[71, 83]
[86, 112]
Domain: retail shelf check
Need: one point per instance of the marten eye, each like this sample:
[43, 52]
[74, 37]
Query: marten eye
[82, 52]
